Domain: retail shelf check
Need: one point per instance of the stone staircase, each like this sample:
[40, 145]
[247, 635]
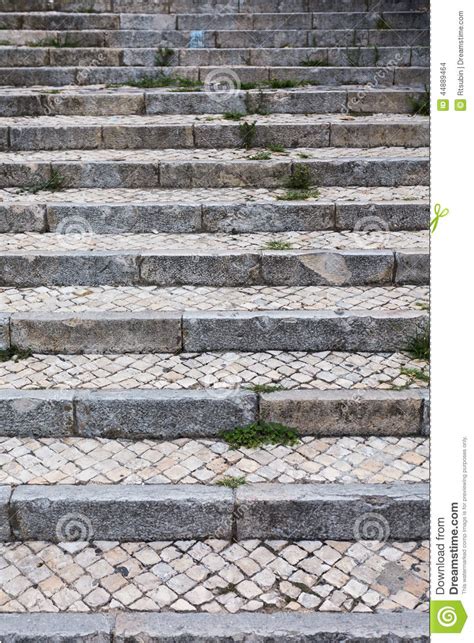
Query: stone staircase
[214, 222]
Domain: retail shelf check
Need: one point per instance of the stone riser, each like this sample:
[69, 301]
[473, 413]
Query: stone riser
[168, 414]
[334, 57]
[228, 217]
[330, 76]
[281, 268]
[119, 102]
[401, 627]
[212, 136]
[211, 6]
[213, 22]
[165, 512]
[216, 174]
[195, 332]
[225, 39]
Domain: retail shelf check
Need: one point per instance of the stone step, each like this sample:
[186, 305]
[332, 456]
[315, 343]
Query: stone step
[257, 371]
[76, 460]
[221, 39]
[131, 513]
[312, 578]
[314, 259]
[231, 210]
[309, 56]
[214, 330]
[205, 76]
[211, 6]
[49, 21]
[173, 168]
[215, 132]
[100, 101]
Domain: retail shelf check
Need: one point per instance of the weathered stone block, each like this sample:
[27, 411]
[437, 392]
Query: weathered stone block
[22, 218]
[372, 135]
[56, 628]
[163, 415]
[4, 330]
[412, 267]
[340, 412]
[194, 103]
[382, 216]
[219, 174]
[332, 511]
[97, 332]
[121, 512]
[55, 138]
[147, 136]
[5, 493]
[318, 268]
[40, 414]
[109, 174]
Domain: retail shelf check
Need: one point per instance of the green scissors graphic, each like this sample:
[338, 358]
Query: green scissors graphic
[439, 214]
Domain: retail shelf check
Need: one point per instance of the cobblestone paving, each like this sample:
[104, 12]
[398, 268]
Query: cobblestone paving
[82, 460]
[32, 241]
[214, 576]
[133, 298]
[155, 156]
[290, 370]
[213, 195]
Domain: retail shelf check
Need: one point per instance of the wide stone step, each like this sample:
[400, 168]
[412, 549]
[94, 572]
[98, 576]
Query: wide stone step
[100, 101]
[323, 57]
[210, 6]
[257, 371]
[348, 459]
[312, 511]
[215, 132]
[277, 38]
[173, 168]
[231, 210]
[90, 75]
[213, 21]
[309, 577]
[305, 259]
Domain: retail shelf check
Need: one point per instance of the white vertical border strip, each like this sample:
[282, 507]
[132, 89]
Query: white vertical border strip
[452, 185]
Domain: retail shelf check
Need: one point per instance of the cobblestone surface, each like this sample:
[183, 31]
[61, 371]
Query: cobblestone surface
[130, 298]
[81, 460]
[327, 370]
[36, 242]
[214, 576]
[155, 156]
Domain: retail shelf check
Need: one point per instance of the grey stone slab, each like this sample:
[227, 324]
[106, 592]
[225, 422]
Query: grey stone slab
[267, 217]
[4, 330]
[68, 269]
[303, 330]
[138, 22]
[288, 135]
[380, 135]
[104, 103]
[20, 105]
[147, 136]
[5, 493]
[127, 218]
[23, 57]
[29, 76]
[287, 627]
[121, 512]
[412, 267]
[378, 172]
[23, 174]
[412, 76]
[319, 268]
[39, 414]
[220, 174]
[297, 102]
[52, 21]
[163, 415]
[382, 101]
[393, 37]
[426, 417]
[339, 412]
[79, 57]
[332, 511]
[55, 138]
[200, 268]
[109, 174]
[56, 628]
[194, 103]
[335, 75]
[382, 216]
[22, 218]
[97, 332]
[256, 39]
[339, 38]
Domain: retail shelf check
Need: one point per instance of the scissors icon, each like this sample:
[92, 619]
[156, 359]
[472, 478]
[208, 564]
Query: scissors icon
[439, 214]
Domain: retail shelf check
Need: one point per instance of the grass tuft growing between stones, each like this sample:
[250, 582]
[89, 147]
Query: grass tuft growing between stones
[419, 346]
[299, 195]
[164, 56]
[261, 156]
[421, 105]
[233, 116]
[14, 354]
[55, 183]
[314, 62]
[231, 482]
[260, 433]
[149, 82]
[278, 245]
[299, 186]
[248, 132]
[277, 148]
[415, 374]
[264, 388]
